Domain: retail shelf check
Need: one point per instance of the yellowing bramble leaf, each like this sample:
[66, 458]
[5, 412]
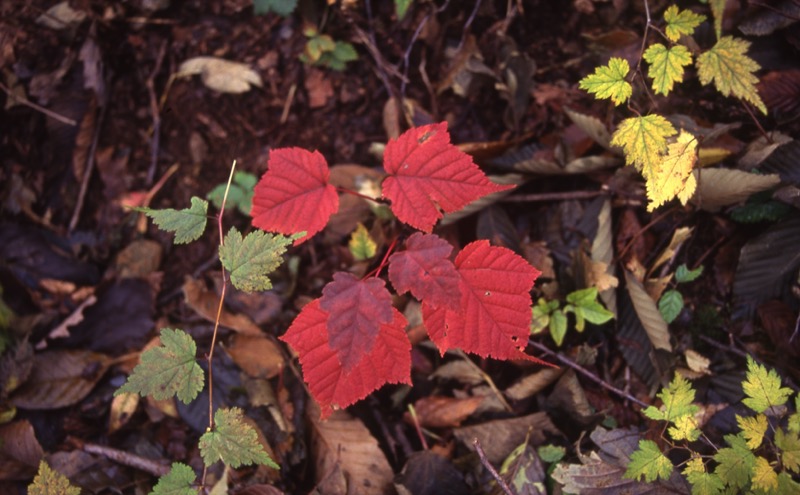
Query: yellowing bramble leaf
[361, 245]
[718, 10]
[763, 388]
[674, 176]
[251, 259]
[51, 482]
[178, 481]
[727, 64]
[702, 482]
[188, 224]
[680, 22]
[685, 429]
[644, 141]
[167, 370]
[609, 81]
[753, 429]
[794, 419]
[233, 441]
[648, 462]
[764, 477]
[666, 65]
[677, 398]
[789, 443]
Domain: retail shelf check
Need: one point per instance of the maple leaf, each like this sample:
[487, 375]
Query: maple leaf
[427, 173]
[424, 268]
[249, 260]
[188, 224]
[167, 370]
[763, 388]
[789, 443]
[753, 429]
[644, 141]
[494, 314]
[764, 477]
[357, 309]
[677, 398]
[648, 462]
[294, 194]
[388, 362]
[703, 483]
[680, 22]
[233, 441]
[361, 245]
[666, 65]
[50, 482]
[608, 81]
[178, 481]
[727, 64]
[674, 176]
[735, 462]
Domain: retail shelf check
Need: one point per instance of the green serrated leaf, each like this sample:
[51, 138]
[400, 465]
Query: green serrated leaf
[666, 65]
[789, 443]
[188, 224]
[735, 462]
[677, 398]
[51, 482]
[731, 70]
[281, 7]
[753, 429]
[644, 141]
[251, 259]
[684, 275]
[786, 485]
[670, 305]
[558, 327]
[680, 22]
[648, 462]
[609, 81]
[703, 483]
[178, 481]
[233, 441]
[763, 388]
[794, 420]
[551, 453]
[401, 8]
[167, 370]
[361, 245]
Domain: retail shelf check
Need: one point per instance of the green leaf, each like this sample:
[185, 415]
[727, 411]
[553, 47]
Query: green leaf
[609, 81]
[586, 307]
[666, 65]
[648, 462]
[167, 370]
[718, 10]
[685, 428]
[680, 22]
[753, 429]
[345, 52]
[735, 462]
[703, 483]
[670, 305]
[558, 327]
[281, 7]
[643, 141]
[763, 388]
[240, 194]
[251, 259]
[361, 245]
[789, 443]
[794, 419]
[728, 65]
[178, 481]
[764, 477]
[684, 275]
[188, 224]
[677, 398]
[551, 453]
[401, 8]
[233, 441]
[51, 482]
[540, 315]
[786, 485]
[583, 297]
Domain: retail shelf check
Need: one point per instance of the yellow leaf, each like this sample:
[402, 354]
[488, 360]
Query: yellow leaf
[674, 175]
[680, 22]
[727, 64]
[644, 141]
[753, 429]
[695, 465]
[361, 245]
[609, 81]
[711, 156]
[764, 477]
[685, 428]
[718, 10]
[666, 65]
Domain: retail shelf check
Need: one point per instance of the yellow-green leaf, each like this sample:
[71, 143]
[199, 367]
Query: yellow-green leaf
[702, 482]
[51, 482]
[718, 11]
[789, 443]
[680, 22]
[178, 481]
[666, 65]
[763, 388]
[735, 462]
[685, 429]
[361, 245]
[764, 477]
[648, 462]
[609, 81]
[753, 429]
[643, 141]
[794, 419]
[677, 398]
[674, 175]
[728, 65]
[233, 441]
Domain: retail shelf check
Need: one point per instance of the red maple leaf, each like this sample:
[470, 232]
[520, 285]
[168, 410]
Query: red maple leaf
[494, 314]
[424, 268]
[294, 195]
[389, 361]
[428, 173]
[357, 310]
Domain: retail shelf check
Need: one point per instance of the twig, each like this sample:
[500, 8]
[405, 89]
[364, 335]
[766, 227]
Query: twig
[154, 142]
[287, 106]
[39, 108]
[467, 24]
[87, 173]
[756, 122]
[125, 458]
[488, 465]
[563, 196]
[588, 374]
[487, 379]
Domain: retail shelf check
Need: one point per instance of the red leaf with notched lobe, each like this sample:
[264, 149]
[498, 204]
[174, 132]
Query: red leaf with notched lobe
[424, 268]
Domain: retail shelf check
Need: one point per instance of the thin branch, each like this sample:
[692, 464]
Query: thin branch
[563, 196]
[488, 465]
[124, 458]
[38, 108]
[88, 169]
[155, 140]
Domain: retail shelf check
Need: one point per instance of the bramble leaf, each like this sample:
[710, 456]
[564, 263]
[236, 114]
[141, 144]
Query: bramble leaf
[361, 245]
[685, 428]
[428, 175]
[178, 481]
[294, 194]
[240, 194]
[728, 65]
[233, 441]
[388, 362]
[703, 483]
[251, 259]
[789, 443]
[167, 370]
[666, 65]
[356, 311]
[735, 462]
[677, 398]
[673, 177]
[608, 81]
[644, 141]
[648, 462]
[718, 11]
[763, 388]
[753, 429]
[794, 419]
[670, 305]
[684, 275]
[680, 22]
[50, 482]
[188, 224]
[424, 268]
[764, 477]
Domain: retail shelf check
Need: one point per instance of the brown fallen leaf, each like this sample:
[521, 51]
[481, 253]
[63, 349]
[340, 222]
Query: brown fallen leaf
[20, 452]
[258, 356]
[499, 437]
[445, 412]
[205, 303]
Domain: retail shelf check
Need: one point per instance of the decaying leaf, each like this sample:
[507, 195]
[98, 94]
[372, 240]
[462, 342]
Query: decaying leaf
[720, 187]
[221, 75]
